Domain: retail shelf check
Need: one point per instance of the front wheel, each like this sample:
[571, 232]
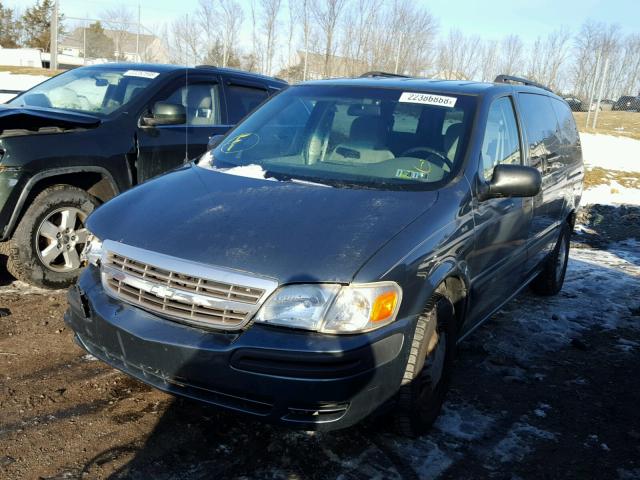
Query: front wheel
[428, 371]
[550, 280]
[46, 246]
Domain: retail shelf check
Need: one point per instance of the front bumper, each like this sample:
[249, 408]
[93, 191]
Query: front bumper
[301, 379]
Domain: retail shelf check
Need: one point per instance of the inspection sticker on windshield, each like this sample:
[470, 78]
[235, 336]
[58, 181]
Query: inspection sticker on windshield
[428, 99]
[411, 174]
[140, 73]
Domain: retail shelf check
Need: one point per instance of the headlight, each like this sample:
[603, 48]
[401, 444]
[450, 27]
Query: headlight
[92, 252]
[331, 308]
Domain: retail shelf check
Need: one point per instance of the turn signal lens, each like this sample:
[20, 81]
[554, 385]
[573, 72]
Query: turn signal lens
[384, 307]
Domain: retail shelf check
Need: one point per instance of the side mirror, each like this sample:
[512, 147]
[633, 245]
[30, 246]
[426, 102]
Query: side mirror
[166, 114]
[214, 141]
[514, 181]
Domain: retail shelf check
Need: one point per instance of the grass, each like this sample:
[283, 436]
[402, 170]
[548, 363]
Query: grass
[600, 176]
[30, 70]
[611, 123]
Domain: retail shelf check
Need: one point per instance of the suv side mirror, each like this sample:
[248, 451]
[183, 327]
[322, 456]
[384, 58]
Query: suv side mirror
[514, 181]
[166, 114]
[214, 141]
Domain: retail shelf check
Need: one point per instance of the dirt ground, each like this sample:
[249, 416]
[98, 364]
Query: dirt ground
[547, 389]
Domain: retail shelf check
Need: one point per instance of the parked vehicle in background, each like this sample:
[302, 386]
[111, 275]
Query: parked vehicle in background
[605, 105]
[627, 103]
[323, 261]
[576, 104]
[82, 137]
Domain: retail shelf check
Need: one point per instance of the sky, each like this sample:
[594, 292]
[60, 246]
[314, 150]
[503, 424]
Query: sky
[487, 18]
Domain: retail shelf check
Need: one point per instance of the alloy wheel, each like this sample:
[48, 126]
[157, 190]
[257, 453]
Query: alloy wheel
[60, 239]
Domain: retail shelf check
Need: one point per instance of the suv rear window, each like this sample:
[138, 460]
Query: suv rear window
[354, 135]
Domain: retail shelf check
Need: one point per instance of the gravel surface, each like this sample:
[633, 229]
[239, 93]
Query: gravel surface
[548, 388]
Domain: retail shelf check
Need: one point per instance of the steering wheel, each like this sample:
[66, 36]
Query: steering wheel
[425, 153]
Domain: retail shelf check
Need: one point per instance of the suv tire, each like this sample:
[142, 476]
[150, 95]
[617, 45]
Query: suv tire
[550, 280]
[421, 394]
[45, 248]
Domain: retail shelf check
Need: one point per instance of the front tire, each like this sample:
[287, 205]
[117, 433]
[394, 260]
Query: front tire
[550, 280]
[46, 246]
[429, 368]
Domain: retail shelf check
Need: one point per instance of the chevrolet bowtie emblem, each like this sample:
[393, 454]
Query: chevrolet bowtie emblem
[162, 292]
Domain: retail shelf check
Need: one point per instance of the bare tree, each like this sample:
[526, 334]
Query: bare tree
[120, 20]
[458, 55]
[511, 58]
[548, 56]
[327, 13]
[269, 11]
[186, 43]
[488, 61]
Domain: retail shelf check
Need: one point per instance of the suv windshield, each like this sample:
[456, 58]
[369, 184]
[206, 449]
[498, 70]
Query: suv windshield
[93, 90]
[352, 136]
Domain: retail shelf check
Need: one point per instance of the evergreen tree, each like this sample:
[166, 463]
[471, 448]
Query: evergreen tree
[36, 22]
[9, 28]
[99, 45]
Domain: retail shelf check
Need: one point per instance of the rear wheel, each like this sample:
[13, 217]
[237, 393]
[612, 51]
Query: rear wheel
[428, 372]
[46, 246]
[551, 278]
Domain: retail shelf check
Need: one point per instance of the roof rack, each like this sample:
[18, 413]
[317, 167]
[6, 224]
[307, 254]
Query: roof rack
[523, 81]
[376, 73]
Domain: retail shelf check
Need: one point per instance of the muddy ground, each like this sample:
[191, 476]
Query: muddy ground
[547, 389]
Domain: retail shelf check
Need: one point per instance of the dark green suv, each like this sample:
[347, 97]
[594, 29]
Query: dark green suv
[84, 136]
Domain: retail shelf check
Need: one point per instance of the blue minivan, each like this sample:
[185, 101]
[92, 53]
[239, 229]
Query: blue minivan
[322, 261]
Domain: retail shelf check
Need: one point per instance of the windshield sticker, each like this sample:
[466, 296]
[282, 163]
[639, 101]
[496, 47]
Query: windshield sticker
[140, 73]
[240, 143]
[428, 99]
[411, 174]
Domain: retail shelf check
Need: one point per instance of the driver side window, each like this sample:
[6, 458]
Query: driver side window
[201, 101]
[501, 141]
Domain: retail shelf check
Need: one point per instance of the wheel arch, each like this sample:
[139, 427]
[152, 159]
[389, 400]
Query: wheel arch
[96, 181]
[451, 280]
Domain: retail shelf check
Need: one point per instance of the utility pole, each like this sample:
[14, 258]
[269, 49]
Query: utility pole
[138, 36]
[53, 50]
[604, 78]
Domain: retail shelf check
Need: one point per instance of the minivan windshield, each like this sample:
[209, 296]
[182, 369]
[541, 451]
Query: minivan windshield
[351, 136]
[94, 90]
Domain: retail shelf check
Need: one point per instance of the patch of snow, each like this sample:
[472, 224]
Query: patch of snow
[611, 194]
[20, 82]
[529, 328]
[624, 474]
[542, 409]
[463, 422]
[24, 288]
[610, 152]
[517, 443]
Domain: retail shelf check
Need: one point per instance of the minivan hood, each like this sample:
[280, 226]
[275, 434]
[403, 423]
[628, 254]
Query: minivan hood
[33, 119]
[288, 231]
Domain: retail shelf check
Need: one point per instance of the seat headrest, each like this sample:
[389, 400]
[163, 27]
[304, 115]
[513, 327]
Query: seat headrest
[367, 131]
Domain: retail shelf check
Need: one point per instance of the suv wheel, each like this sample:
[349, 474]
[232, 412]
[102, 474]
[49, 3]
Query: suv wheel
[551, 278]
[428, 372]
[46, 246]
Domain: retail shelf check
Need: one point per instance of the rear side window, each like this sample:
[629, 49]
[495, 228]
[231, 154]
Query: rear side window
[540, 123]
[242, 100]
[566, 123]
[501, 142]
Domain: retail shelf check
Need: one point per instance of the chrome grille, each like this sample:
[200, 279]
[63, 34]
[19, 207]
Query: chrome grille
[185, 291]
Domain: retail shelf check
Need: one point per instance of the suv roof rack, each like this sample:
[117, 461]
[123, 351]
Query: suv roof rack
[376, 73]
[524, 81]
